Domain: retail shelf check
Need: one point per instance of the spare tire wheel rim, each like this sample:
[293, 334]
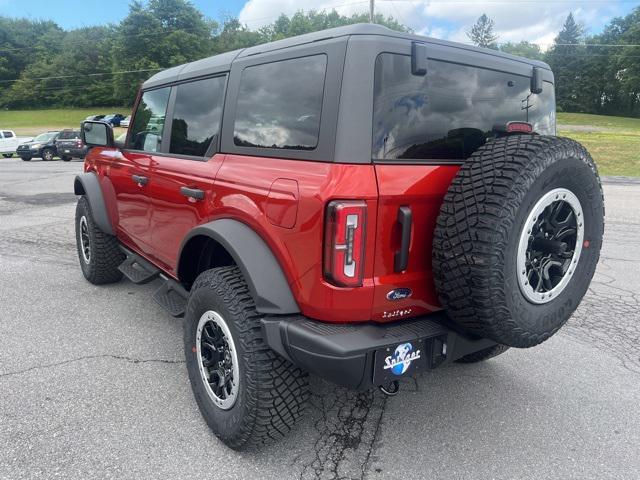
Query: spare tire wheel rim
[217, 360]
[550, 245]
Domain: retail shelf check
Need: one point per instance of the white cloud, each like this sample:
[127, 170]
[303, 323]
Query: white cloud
[537, 21]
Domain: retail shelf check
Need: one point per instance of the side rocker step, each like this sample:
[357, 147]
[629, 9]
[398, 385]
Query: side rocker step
[173, 297]
[137, 269]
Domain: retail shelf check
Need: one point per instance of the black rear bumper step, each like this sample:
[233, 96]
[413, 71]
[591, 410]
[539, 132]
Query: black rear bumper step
[137, 269]
[345, 353]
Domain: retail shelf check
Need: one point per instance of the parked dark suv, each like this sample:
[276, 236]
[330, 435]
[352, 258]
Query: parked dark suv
[357, 203]
[69, 145]
[43, 146]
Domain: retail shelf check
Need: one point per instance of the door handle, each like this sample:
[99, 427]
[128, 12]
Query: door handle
[194, 193]
[401, 258]
[140, 180]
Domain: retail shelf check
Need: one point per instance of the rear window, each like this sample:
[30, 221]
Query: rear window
[450, 112]
[279, 104]
[69, 135]
[196, 116]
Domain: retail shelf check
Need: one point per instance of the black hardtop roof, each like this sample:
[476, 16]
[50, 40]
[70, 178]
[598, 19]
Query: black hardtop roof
[223, 61]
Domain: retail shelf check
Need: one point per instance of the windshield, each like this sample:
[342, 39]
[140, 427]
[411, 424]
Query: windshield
[43, 137]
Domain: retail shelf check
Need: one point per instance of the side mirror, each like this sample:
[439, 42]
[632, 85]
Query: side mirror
[97, 134]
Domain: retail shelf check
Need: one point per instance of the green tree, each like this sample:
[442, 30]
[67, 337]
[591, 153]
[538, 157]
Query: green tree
[566, 58]
[523, 49]
[482, 34]
[158, 35]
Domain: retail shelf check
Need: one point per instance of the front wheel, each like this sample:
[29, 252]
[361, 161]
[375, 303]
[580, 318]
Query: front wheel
[47, 154]
[7, 155]
[99, 253]
[248, 394]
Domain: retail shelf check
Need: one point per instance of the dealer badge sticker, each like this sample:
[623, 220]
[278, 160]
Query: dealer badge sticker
[401, 359]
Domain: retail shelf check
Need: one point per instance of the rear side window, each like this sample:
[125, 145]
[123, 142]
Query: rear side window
[8, 134]
[196, 116]
[451, 111]
[146, 133]
[280, 103]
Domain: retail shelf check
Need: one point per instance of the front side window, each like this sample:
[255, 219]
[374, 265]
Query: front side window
[146, 133]
[8, 134]
[196, 116]
[280, 103]
[448, 113]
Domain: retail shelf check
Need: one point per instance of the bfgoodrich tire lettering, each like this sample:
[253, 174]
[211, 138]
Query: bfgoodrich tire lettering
[478, 231]
[271, 391]
[98, 252]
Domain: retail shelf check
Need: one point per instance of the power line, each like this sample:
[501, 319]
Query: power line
[58, 77]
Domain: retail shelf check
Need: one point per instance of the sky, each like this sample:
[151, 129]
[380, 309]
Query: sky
[537, 21]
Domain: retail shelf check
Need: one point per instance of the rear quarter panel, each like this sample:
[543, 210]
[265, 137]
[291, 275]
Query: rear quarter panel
[242, 192]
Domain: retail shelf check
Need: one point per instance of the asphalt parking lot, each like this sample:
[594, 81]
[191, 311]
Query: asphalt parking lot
[93, 384]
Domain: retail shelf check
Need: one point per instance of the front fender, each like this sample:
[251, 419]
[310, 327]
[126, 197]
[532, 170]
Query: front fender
[87, 184]
[262, 272]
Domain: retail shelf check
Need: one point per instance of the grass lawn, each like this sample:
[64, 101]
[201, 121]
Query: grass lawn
[614, 142]
[624, 123]
[33, 122]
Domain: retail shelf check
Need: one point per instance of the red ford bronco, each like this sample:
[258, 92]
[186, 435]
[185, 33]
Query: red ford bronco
[357, 203]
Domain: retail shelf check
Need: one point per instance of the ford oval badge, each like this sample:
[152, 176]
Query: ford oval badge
[399, 294]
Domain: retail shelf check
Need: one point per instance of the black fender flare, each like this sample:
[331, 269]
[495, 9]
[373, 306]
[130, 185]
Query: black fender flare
[264, 276]
[87, 184]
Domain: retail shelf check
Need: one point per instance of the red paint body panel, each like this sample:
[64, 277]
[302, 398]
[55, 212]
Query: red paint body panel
[299, 250]
[422, 188]
[173, 213]
[284, 202]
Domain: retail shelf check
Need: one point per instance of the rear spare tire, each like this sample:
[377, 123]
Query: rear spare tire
[518, 238]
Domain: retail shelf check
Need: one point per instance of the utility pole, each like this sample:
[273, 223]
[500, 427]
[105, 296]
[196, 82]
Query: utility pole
[371, 2]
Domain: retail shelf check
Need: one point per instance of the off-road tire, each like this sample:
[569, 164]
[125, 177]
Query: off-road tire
[105, 255]
[479, 228]
[482, 355]
[26, 159]
[65, 158]
[48, 154]
[272, 392]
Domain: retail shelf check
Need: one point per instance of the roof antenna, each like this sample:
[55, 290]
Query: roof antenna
[371, 7]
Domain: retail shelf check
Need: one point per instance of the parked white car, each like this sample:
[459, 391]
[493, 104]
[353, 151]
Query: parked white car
[9, 142]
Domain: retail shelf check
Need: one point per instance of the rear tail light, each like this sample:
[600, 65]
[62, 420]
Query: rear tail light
[522, 127]
[78, 143]
[344, 242]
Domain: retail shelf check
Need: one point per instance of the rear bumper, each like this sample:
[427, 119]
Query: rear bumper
[349, 354]
[72, 151]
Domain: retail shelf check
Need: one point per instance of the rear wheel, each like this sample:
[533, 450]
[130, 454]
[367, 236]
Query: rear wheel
[7, 155]
[26, 159]
[248, 394]
[65, 158]
[99, 253]
[518, 238]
